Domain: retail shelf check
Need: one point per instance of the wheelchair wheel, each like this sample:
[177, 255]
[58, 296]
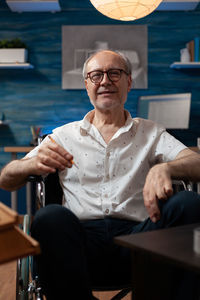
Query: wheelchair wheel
[23, 268]
[27, 287]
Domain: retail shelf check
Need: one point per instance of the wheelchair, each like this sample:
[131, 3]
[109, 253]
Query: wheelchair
[47, 190]
[28, 288]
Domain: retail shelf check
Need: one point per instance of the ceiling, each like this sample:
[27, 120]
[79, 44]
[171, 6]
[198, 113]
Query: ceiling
[57, 5]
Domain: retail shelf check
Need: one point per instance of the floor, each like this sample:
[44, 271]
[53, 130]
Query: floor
[8, 284]
[109, 295]
[8, 281]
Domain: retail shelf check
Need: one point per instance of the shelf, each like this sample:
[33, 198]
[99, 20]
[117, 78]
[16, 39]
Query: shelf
[189, 65]
[3, 123]
[16, 66]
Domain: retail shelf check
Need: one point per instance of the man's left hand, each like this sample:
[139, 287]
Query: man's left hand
[158, 186]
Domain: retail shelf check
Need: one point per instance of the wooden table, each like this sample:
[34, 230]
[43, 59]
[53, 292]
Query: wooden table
[14, 151]
[153, 253]
[15, 244]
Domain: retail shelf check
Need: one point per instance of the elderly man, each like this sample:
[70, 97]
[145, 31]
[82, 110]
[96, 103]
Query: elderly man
[116, 173]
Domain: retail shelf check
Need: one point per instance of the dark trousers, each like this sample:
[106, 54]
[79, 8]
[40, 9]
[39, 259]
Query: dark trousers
[77, 256]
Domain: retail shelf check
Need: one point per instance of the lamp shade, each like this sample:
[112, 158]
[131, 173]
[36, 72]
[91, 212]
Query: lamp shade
[125, 10]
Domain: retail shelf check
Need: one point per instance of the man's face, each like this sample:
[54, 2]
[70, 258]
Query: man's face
[108, 95]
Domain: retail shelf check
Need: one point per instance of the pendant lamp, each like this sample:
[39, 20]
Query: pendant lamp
[125, 10]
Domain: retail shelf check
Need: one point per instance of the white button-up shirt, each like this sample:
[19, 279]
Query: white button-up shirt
[108, 179]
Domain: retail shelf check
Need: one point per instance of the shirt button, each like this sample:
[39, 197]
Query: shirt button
[107, 211]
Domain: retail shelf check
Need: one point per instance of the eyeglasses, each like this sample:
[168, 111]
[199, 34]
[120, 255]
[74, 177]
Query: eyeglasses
[114, 75]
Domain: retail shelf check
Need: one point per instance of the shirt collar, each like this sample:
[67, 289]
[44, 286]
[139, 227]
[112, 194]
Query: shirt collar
[86, 124]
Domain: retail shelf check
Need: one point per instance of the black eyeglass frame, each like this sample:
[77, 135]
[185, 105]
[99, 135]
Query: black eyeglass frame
[107, 72]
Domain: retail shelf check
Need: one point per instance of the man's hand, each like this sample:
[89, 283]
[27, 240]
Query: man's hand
[50, 157]
[158, 186]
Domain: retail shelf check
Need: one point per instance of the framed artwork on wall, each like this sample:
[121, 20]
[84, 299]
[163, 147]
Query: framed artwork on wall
[79, 42]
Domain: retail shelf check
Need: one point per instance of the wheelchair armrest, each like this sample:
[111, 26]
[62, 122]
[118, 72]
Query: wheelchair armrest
[39, 186]
[35, 178]
[180, 185]
[48, 189]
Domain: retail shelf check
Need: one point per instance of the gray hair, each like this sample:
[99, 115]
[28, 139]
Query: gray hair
[125, 60]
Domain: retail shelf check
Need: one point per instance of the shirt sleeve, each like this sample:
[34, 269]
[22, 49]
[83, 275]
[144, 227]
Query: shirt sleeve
[34, 152]
[167, 147]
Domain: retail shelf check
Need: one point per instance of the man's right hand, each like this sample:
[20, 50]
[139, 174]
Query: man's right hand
[49, 158]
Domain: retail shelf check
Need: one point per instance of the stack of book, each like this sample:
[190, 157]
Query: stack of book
[193, 47]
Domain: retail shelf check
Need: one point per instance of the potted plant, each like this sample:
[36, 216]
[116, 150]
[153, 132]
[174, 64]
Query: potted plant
[13, 51]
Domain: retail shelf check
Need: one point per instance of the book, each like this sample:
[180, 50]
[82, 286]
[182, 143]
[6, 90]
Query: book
[196, 49]
[190, 47]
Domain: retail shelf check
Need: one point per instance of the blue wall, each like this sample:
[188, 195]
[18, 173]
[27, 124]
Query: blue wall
[35, 97]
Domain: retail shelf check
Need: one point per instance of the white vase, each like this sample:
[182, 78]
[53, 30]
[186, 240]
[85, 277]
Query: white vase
[185, 55]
